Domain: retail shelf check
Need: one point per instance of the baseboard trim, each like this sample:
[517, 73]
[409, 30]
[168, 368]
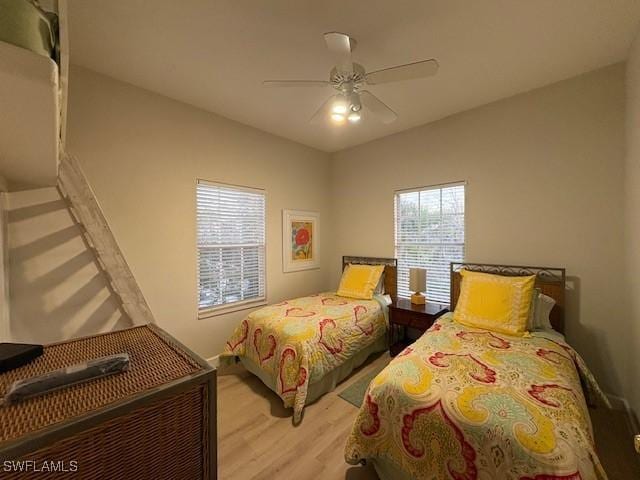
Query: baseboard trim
[621, 403]
[214, 361]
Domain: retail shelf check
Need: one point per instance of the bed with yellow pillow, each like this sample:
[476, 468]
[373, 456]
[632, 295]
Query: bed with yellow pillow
[484, 393]
[302, 348]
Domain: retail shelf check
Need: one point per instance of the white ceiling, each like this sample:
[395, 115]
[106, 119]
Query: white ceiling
[214, 53]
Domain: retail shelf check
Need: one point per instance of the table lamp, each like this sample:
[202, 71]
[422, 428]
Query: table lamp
[417, 284]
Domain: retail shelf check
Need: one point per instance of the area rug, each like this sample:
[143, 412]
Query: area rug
[354, 393]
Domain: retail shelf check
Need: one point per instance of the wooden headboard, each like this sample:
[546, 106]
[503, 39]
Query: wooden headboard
[390, 271]
[551, 281]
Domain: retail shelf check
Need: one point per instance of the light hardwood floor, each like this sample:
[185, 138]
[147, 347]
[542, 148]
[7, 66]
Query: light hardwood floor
[258, 441]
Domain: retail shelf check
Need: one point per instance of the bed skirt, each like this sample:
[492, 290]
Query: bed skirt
[386, 470]
[327, 383]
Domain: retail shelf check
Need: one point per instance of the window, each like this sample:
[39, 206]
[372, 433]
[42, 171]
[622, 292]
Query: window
[429, 233]
[231, 246]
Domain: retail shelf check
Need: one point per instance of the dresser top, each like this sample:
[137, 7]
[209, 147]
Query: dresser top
[155, 359]
[427, 308]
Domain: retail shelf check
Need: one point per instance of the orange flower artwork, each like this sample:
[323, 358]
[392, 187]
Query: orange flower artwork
[301, 240]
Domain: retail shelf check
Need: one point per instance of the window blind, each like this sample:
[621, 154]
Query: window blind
[429, 233]
[231, 245]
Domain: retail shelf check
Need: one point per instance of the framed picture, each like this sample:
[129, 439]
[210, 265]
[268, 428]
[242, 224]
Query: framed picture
[300, 240]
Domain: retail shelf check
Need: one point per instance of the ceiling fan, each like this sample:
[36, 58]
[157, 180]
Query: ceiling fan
[349, 79]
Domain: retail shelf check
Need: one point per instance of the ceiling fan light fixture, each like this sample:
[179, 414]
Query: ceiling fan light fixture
[340, 107]
[355, 105]
[354, 117]
[349, 78]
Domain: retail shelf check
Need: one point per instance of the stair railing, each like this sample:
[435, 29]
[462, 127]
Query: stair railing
[84, 206]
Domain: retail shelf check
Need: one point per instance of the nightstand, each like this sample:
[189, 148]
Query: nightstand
[403, 314]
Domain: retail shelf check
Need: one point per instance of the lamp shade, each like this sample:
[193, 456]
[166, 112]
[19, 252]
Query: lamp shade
[417, 279]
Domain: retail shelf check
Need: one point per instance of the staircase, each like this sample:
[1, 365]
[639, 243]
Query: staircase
[83, 205]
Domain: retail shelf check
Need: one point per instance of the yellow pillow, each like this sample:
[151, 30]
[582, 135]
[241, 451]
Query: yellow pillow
[495, 302]
[359, 281]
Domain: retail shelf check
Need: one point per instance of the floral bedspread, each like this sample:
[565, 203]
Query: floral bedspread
[465, 403]
[297, 342]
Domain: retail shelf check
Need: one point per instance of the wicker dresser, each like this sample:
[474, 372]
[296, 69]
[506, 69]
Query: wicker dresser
[156, 421]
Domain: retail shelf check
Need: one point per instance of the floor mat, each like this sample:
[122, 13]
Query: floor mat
[354, 393]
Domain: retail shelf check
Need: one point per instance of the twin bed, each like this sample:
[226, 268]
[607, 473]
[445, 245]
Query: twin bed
[303, 348]
[459, 403]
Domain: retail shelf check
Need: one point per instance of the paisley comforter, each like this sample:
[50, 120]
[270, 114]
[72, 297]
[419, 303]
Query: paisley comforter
[465, 403]
[297, 342]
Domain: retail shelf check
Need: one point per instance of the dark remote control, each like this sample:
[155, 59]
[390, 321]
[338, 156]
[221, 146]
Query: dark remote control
[14, 355]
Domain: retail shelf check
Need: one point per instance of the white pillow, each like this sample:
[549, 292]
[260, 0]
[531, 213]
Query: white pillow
[541, 306]
[543, 310]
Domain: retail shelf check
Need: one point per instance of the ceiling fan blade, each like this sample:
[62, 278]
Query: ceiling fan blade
[341, 46]
[410, 71]
[379, 109]
[323, 112]
[295, 83]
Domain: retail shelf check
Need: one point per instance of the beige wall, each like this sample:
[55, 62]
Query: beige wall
[544, 172]
[5, 335]
[57, 291]
[142, 154]
[632, 232]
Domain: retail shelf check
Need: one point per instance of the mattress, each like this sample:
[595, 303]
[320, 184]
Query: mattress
[466, 403]
[29, 95]
[26, 26]
[301, 348]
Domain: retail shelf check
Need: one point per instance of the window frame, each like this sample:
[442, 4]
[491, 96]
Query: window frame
[226, 308]
[438, 186]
